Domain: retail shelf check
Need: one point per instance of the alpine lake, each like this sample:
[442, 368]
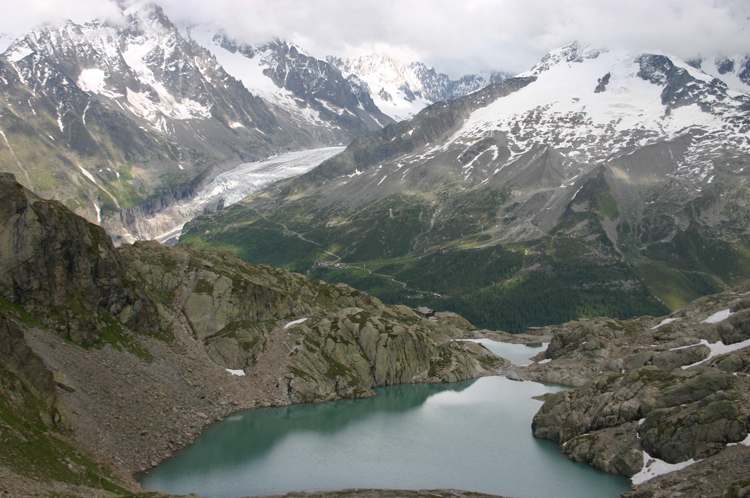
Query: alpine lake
[473, 435]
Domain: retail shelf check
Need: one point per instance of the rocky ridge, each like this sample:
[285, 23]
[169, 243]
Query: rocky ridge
[733, 70]
[141, 364]
[674, 390]
[402, 90]
[312, 90]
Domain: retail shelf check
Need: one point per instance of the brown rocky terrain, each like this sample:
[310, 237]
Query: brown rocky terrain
[655, 389]
[111, 359]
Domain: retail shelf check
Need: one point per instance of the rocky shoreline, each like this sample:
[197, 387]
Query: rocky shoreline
[655, 392]
[112, 359]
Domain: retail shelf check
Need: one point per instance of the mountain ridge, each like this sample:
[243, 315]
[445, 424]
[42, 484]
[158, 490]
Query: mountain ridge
[643, 177]
[122, 120]
[402, 90]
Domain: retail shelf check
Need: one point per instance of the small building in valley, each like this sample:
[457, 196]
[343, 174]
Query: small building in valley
[424, 311]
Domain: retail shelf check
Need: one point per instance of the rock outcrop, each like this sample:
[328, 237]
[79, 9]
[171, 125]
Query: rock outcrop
[327, 341]
[654, 389]
[63, 269]
[23, 371]
[124, 352]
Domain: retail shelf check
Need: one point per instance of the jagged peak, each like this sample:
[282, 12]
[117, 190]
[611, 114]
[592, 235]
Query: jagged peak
[573, 52]
[377, 62]
[143, 8]
[734, 70]
[249, 50]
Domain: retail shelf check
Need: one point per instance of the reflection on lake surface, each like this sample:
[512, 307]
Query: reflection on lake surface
[473, 435]
[518, 354]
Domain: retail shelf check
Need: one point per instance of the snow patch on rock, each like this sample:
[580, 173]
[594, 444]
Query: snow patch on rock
[653, 467]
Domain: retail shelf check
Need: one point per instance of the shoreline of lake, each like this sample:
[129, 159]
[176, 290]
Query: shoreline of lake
[338, 433]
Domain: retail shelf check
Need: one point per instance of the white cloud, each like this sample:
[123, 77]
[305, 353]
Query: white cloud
[456, 37]
[19, 17]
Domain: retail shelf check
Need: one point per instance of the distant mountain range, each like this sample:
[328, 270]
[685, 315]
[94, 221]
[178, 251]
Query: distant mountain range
[630, 165]
[402, 90]
[598, 183]
[121, 120]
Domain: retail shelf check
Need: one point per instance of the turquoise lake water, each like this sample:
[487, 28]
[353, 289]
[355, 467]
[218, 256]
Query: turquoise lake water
[473, 435]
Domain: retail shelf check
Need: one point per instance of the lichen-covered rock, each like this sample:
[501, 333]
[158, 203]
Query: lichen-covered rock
[614, 450]
[65, 270]
[695, 430]
[17, 358]
[652, 390]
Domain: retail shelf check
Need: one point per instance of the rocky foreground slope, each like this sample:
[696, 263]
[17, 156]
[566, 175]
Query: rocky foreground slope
[111, 359]
[674, 390]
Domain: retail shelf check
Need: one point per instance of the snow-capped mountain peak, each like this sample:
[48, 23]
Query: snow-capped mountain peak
[574, 52]
[313, 91]
[129, 63]
[592, 106]
[402, 90]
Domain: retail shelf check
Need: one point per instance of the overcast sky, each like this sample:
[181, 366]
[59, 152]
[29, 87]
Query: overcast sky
[454, 36]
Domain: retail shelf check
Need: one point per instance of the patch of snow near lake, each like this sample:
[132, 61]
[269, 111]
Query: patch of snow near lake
[744, 442]
[238, 373]
[545, 361]
[717, 317]
[664, 322]
[294, 322]
[653, 467]
[717, 349]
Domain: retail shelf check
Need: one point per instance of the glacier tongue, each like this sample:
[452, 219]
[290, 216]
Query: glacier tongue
[235, 185]
[231, 187]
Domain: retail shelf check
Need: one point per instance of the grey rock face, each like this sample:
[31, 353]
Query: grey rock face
[64, 269]
[602, 85]
[641, 398]
[337, 341]
[17, 358]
